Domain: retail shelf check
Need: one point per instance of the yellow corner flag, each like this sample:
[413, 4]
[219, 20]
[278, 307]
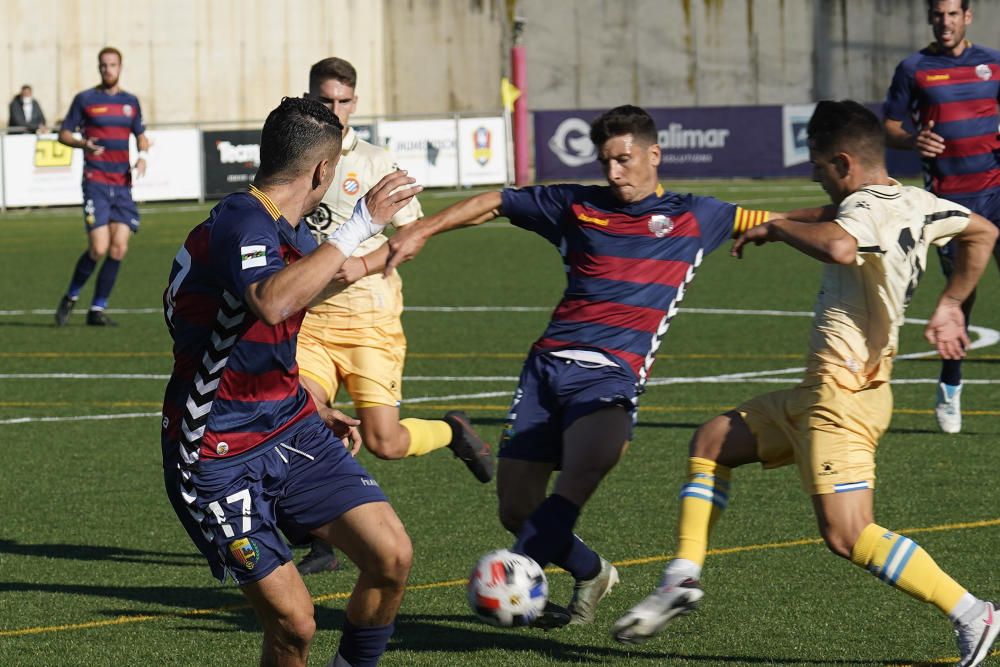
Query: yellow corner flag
[508, 93]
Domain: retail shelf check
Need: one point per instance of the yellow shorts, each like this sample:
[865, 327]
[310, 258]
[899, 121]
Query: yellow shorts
[368, 361]
[829, 432]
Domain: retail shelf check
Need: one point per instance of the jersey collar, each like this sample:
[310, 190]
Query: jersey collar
[265, 201]
[349, 141]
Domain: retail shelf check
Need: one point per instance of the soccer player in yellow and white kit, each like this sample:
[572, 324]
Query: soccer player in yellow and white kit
[355, 337]
[875, 251]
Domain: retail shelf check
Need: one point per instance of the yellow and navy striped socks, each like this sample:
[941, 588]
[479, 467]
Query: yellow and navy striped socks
[902, 563]
[703, 498]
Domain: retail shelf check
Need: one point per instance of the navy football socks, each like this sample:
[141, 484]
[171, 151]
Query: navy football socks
[84, 267]
[105, 281]
[362, 647]
[547, 537]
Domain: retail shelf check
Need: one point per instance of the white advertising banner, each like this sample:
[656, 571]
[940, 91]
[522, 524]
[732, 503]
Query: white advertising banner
[39, 171]
[482, 151]
[794, 141]
[173, 170]
[427, 149]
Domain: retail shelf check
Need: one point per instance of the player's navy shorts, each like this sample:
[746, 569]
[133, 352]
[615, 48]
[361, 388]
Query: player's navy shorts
[987, 206]
[239, 512]
[108, 203]
[551, 394]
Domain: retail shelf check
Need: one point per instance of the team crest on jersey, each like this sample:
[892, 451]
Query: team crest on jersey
[984, 72]
[481, 150]
[660, 225]
[222, 449]
[351, 185]
[245, 552]
[127, 109]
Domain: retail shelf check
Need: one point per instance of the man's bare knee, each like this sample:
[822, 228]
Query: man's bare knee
[293, 633]
[385, 448]
[706, 443]
[391, 564]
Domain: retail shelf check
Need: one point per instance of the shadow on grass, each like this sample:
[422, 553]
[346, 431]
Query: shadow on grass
[223, 609]
[90, 552]
[28, 325]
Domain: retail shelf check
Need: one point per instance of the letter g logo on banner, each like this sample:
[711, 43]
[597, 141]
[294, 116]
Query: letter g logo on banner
[571, 143]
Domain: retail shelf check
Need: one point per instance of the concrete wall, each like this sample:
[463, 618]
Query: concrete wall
[600, 53]
[222, 60]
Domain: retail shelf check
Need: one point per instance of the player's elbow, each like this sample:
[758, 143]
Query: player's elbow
[843, 251]
[66, 137]
[268, 311]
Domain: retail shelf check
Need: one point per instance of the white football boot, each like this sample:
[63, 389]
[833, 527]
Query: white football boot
[650, 616]
[976, 636]
[948, 409]
[588, 593]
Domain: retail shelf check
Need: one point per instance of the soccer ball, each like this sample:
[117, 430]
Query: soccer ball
[507, 589]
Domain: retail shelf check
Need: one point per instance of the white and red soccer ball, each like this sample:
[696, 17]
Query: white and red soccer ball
[507, 589]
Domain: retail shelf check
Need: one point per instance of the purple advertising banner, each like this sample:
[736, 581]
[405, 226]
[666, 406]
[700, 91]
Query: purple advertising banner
[697, 142]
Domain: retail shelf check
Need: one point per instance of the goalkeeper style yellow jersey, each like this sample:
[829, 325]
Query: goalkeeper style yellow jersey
[373, 301]
[860, 306]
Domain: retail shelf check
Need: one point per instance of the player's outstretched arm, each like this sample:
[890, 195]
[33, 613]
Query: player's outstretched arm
[286, 292]
[407, 242]
[815, 214]
[973, 247]
[826, 241]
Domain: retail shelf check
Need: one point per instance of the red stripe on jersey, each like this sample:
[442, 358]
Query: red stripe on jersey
[107, 131]
[609, 313]
[116, 157]
[930, 78]
[272, 335]
[966, 183]
[197, 310]
[240, 442]
[953, 111]
[273, 385]
[967, 146]
[635, 361]
[659, 271]
[105, 178]
[619, 223]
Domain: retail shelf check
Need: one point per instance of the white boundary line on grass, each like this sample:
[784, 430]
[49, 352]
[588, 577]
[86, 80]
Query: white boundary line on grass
[985, 337]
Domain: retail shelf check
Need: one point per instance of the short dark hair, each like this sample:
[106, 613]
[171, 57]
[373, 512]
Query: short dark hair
[292, 132]
[332, 68]
[626, 119]
[849, 127]
[109, 49]
[931, 3]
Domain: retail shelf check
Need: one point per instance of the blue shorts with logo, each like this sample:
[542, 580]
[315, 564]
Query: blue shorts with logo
[239, 512]
[552, 393]
[108, 203]
[987, 206]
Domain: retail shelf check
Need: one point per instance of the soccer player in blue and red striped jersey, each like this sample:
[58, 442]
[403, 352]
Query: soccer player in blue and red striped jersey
[248, 461]
[951, 90]
[631, 250]
[106, 116]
